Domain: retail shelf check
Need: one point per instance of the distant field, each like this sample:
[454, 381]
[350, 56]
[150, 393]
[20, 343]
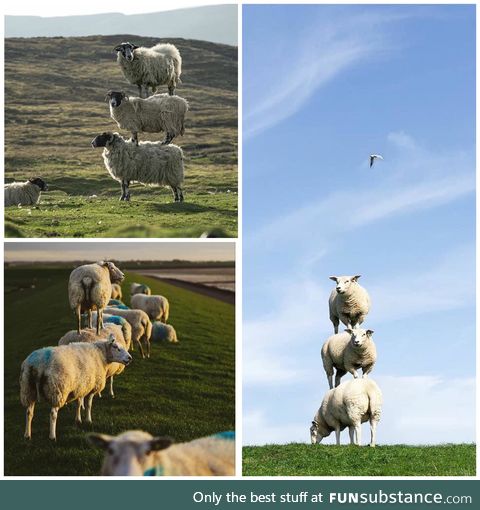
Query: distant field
[297, 459]
[54, 106]
[185, 390]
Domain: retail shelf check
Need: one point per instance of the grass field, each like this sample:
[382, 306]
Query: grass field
[328, 460]
[54, 107]
[185, 390]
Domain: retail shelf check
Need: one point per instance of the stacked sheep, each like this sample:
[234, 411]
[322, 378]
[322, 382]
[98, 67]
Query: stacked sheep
[150, 163]
[351, 403]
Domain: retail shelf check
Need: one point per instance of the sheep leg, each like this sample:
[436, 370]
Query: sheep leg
[140, 92]
[168, 138]
[135, 138]
[352, 371]
[373, 432]
[338, 376]
[90, 322]
[28, 420]
[140, 347]
[78, 416]
[148, 347]
[335, 323]
[53, 423]
[171, 89]
[88, 419]
[111, 387]
[99, 320]
[351, 431]
[127, 193]
[79, 318]
[337, 435]
[366, 370]
[358, 433]
[175, 194]
[180, 193]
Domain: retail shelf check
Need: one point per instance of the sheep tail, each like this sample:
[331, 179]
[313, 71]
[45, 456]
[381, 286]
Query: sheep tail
[87, 285]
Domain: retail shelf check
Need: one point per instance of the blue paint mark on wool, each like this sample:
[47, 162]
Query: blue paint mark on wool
[122, 307]
[229, 434]
[155, 471]
[115, 302]
[40, 355]
[116, 319]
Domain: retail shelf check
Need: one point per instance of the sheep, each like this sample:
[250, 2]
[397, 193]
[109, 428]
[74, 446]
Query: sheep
[66, 373]
[90, 287]
[349, 302]
[137, 453]
[348, 405]
[89, 336]
[347, 352]
[163, 332]
[24, 193]
[158, 113]
[156, 307]
[147, 163]
[123, 323]
[141, 326]
[150, 67]
[140, 288]
[116, 291]
[117, 304]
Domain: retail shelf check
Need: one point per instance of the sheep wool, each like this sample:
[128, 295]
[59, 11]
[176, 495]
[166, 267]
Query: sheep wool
[140, 288]
[22, 193]
[116, 291]
[163, 332]
[156, 307]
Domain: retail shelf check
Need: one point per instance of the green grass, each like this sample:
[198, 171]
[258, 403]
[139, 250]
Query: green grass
[185, 390]
[50, 123]
[328, 460]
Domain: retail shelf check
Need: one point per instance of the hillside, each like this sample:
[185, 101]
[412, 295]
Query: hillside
[54, 94]
[299, 459]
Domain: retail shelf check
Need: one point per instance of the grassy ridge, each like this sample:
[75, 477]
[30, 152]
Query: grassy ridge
[185, 390]
[54, 94]
[297, 459]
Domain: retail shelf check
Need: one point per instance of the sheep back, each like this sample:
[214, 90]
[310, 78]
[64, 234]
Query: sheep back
[163, 332]
[21, 193]
[90, 286]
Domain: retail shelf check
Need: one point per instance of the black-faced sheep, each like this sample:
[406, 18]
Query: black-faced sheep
[24, 193]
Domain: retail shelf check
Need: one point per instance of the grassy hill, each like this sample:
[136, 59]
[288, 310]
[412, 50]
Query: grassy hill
[297, 459]
[54, 106]
[185, 390]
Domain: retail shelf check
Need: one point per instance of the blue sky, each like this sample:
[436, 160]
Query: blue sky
[324, 87]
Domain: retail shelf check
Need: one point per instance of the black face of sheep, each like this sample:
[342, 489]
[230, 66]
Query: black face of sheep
[102, 140]
[115, 98]
[126, 49]
[39, 182]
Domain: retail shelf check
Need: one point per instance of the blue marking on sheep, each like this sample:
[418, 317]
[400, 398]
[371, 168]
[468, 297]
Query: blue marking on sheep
[122, 307]
[114, 302]
[116, 319]
[229, 434]
[36, 357]
[155, 471]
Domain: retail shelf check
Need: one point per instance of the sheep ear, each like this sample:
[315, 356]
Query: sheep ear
[134, 46]
[118, 48]
[160, 443]
[370, 332]
[356, 277]
[348, 330]
[100, 440]
[334, 278]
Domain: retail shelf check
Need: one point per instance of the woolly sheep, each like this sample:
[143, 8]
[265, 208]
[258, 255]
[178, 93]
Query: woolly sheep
[348, 405]
[147, 163]
[137, 453]
[158, 113]
[90, 336]
[349, 302]
[140, 288]
[347, 352]
[141, 326]
[150, 67]
[156, 307]
[116, 291]
[123, 323]
[90, 287]
[163, 332]
[24, 193]
[66, 373]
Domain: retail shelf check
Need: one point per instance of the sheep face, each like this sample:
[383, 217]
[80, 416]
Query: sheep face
[115, 98]
[39, 182]
[359, 336]
[126, 49]
[128, 453]
[318, 432]
[103, 140]
[344, 282]
[116, 276]
[116, 353]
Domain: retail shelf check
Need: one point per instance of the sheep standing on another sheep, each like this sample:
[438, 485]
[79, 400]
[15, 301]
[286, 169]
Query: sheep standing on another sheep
[156, 307]
[24, 193]
[347, 352]
[137, 453]
[147, 163]
[348, 405]
[116, 291]
[140, 288]
[158, 113]
[90, 336]
[349, 302]
[90, 287]
[163, 332]
[150, 67]
[66, 373]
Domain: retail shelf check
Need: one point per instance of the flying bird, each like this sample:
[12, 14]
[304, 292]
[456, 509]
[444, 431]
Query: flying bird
[373, 157]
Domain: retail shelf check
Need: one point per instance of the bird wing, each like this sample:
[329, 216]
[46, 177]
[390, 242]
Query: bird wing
[372, 159]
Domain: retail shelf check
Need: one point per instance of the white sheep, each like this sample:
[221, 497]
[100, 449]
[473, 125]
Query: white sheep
[137, 453]
[66, 373]
[90, 336]
[141, 326]
[149, 163]
[349, 302]
[348, 405]
[119, 321]
[156, 114]
[150, 67]
[90, 287]
[24, 193]
[116, 291]
[140, 288]
[163, 332]
[156, 307]
[347, 352]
